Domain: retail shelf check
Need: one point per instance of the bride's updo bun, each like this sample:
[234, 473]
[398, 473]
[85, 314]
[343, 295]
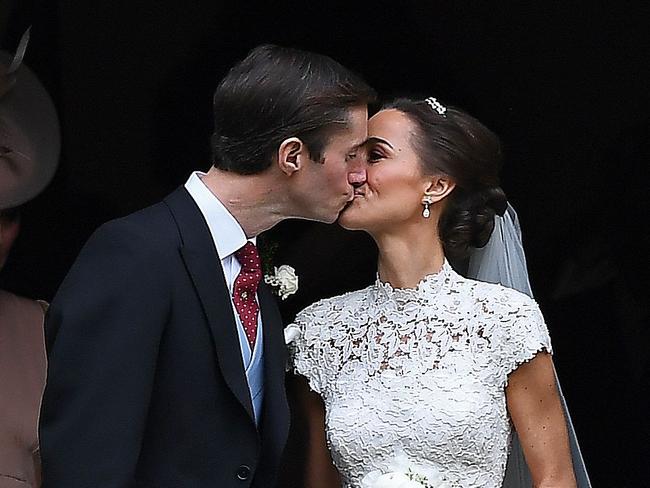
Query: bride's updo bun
[452, 142]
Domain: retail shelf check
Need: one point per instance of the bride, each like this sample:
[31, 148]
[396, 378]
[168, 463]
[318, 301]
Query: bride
[425, 362]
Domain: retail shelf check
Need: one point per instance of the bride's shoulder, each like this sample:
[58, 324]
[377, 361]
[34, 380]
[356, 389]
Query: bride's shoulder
[313, 328]
[328, 308]
[493, 298]
[511, 319]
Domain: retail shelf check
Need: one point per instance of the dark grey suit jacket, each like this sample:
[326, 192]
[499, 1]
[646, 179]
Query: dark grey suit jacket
[146, 385]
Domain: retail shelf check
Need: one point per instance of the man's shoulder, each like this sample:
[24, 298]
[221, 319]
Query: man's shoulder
[147, 235]
[153, 224]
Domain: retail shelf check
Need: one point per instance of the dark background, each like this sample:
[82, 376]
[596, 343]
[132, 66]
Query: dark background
[564, 84]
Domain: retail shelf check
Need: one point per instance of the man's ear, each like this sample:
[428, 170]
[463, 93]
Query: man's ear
[438, 187]
[291, 155]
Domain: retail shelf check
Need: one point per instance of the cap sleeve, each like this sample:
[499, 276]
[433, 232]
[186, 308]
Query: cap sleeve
[307, 349]
[525, 336]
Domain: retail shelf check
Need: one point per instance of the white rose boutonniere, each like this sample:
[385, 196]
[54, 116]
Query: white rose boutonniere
[284, 280]
[291, 333]
[401, 472]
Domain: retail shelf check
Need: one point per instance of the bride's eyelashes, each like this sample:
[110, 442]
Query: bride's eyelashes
[375, 155]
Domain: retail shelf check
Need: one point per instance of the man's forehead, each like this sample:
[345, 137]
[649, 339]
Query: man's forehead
[350, 138]
[360, 138]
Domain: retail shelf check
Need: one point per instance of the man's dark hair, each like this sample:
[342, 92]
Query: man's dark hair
[276, 93]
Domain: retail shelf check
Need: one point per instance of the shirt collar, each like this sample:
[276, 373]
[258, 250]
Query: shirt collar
[227, 234]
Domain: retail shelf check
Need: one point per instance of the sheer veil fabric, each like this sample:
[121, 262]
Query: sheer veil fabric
[503, 261]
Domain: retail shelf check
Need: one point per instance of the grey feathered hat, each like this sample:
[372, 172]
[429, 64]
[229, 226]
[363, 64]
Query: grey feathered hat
[30, 139]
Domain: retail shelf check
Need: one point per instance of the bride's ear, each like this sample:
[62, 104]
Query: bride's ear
[438, 187]
[291, 155]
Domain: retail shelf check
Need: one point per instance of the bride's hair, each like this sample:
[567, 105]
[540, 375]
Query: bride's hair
[454, 143]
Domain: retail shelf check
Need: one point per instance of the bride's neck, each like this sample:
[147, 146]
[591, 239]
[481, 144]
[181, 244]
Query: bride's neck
[407, 257]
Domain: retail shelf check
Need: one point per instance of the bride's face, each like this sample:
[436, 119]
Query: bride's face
[392, 194]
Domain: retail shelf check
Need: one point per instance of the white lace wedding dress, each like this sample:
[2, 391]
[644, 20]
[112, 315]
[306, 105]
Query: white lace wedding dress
[419, 370]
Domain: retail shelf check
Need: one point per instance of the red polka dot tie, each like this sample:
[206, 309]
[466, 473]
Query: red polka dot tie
[245, 289]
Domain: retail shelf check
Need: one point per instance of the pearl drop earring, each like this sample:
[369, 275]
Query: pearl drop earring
[426, 213]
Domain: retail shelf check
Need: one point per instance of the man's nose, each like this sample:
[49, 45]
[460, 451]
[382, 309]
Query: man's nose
[357, 173]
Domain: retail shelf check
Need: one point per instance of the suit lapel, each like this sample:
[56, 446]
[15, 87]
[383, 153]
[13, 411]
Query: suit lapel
[203, 265]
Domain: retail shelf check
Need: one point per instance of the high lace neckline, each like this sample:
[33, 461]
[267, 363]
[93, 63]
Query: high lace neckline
[425, 290]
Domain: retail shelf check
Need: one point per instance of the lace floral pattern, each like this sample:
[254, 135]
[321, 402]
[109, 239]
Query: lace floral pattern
[422, 370]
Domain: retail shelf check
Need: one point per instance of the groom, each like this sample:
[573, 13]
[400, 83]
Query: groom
[166, 349]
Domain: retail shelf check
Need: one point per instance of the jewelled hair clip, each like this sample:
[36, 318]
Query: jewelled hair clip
[436, 105]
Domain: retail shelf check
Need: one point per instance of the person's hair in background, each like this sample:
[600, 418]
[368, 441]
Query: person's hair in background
[276, 93]
[452, 142]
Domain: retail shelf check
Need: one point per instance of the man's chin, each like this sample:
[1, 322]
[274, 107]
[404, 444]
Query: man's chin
[329, 218]
[347, 218]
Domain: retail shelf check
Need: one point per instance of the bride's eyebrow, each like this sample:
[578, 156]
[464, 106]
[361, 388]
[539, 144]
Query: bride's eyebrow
[378, 139]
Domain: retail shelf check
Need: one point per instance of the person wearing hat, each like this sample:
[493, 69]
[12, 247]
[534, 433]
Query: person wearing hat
[29, 149]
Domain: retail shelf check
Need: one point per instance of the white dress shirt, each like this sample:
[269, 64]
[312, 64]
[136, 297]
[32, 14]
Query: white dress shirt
[229, 237]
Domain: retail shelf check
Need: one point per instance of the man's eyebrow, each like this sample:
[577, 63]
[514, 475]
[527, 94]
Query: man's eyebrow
[377, 139]
[358, 145]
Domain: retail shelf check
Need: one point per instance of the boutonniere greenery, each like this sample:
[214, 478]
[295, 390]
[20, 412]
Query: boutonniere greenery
[282, 279]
